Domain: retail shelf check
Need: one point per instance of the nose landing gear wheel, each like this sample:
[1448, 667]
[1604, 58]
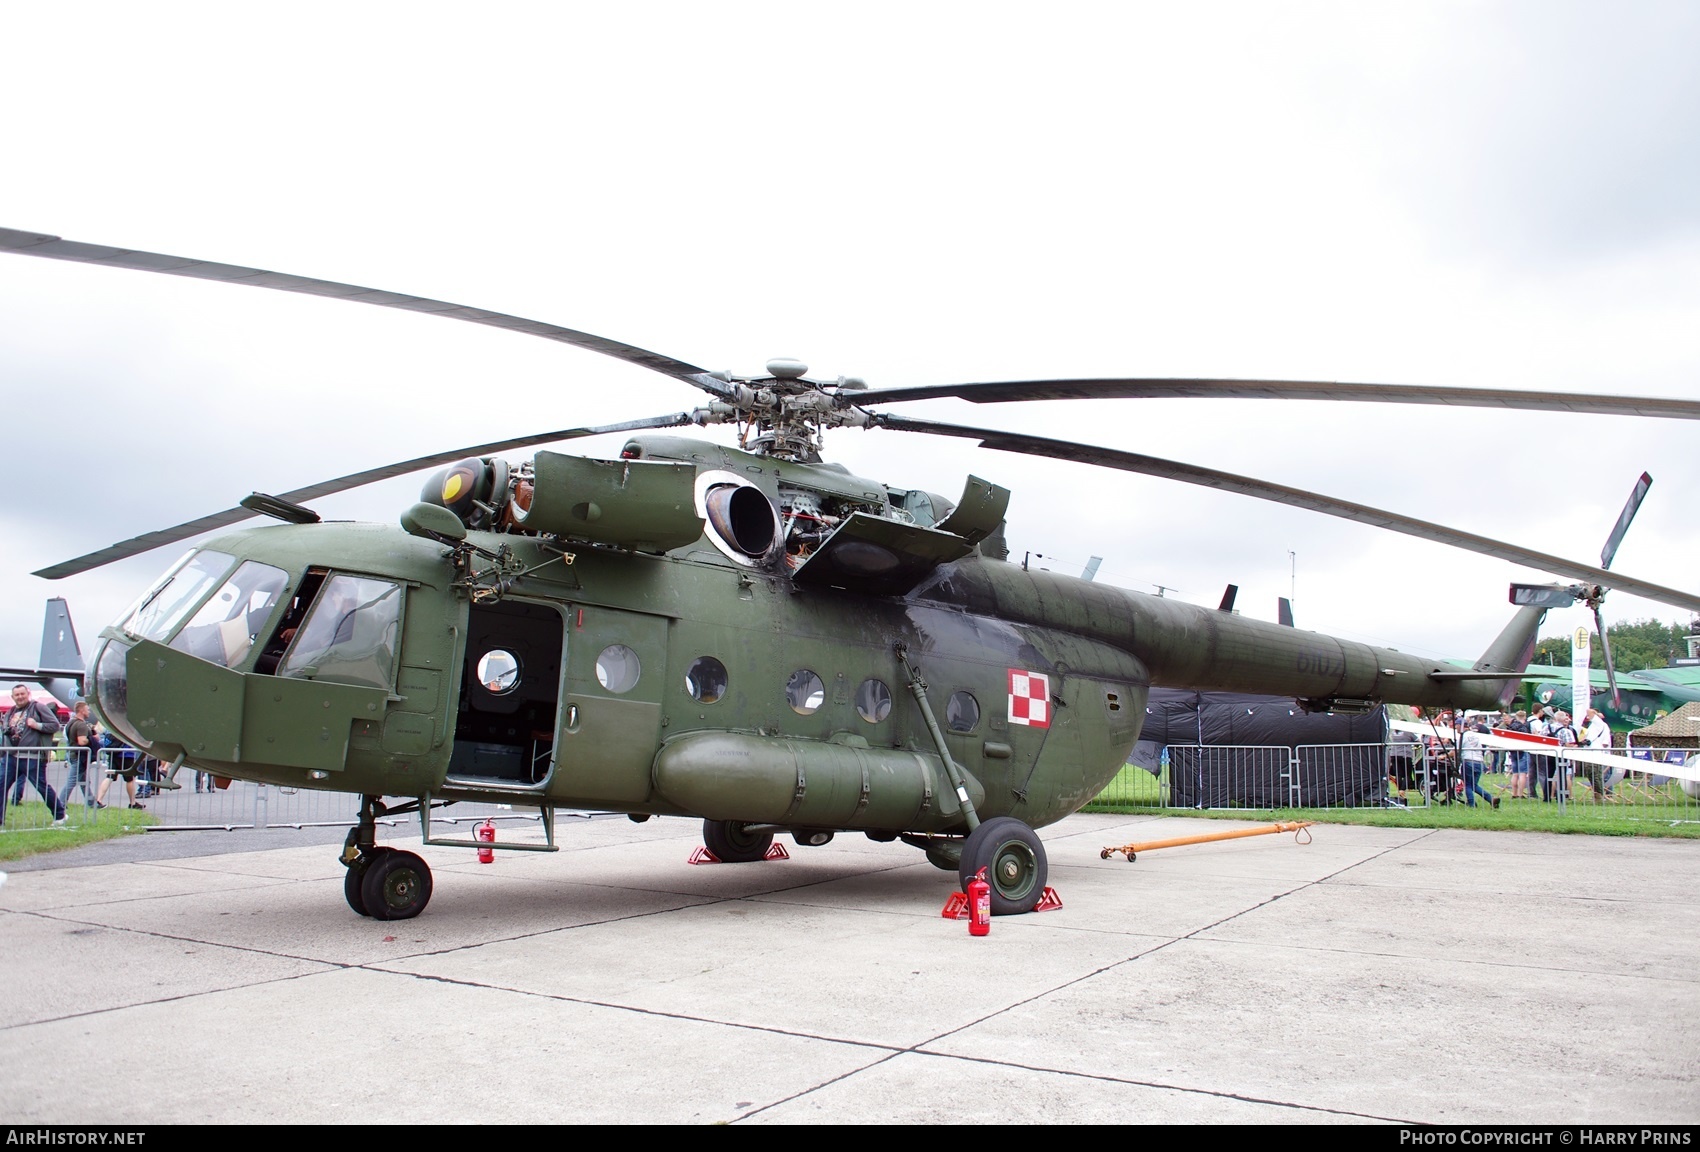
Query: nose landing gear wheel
[354, 879]
[1014, 861]
[397, 886]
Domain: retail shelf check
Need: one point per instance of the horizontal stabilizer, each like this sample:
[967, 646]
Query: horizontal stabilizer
[1546, 595]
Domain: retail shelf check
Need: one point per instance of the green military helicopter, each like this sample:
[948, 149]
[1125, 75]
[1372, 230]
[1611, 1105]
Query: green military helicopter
[746, 635]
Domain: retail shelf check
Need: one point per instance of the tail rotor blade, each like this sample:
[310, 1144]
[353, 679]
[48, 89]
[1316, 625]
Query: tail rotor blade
[1611, 670]
[1635, 497]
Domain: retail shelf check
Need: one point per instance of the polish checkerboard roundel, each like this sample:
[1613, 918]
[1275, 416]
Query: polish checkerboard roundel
[1029, 698]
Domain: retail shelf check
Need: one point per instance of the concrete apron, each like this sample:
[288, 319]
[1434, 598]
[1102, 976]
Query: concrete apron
[1373, 974]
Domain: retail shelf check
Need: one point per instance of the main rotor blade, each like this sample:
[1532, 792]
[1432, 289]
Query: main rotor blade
[56, 248]
[1011, 391]
[1636, 495]
[151, 540]
[1297, 498]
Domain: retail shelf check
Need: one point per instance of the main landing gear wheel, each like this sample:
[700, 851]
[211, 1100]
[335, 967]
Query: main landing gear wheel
[732, 844]
[1014, 861]
[397, 886]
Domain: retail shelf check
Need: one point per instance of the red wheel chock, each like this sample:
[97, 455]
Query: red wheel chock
[956, 908]
[704, 856]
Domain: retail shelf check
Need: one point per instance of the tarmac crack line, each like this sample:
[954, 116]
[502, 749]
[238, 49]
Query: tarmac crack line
[893, 1051]
[199, 993]
[1141, 955]
[812, 1089]
[1519, 966]
[1163, 1086]
[64, 919]
[658, 1013]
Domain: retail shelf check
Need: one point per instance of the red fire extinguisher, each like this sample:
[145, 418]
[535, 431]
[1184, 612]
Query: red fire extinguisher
[487, 833]
[979, 905]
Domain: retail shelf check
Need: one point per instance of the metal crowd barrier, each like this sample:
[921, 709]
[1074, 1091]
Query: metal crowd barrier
[1591, 791]
[1248, 777]
[196, 803]
[1396, 775]
[1271, 777]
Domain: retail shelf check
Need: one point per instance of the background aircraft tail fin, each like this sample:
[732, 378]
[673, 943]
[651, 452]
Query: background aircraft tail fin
[59, 647]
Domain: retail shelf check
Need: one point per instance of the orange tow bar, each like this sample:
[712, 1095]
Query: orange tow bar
[1132, 850]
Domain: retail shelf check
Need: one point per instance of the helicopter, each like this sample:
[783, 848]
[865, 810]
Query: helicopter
[747, 635]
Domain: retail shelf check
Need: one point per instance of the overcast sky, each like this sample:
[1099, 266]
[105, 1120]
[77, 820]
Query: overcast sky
[1487, 195]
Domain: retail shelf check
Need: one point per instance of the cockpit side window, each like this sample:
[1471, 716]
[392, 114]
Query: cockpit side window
[350, 635]
[225, 628]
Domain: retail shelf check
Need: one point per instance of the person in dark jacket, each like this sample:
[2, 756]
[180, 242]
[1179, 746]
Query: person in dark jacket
[82, 745]
[29, 741]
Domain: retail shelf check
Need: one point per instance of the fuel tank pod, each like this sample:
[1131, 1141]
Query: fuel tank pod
[775, 780]
[646, 505]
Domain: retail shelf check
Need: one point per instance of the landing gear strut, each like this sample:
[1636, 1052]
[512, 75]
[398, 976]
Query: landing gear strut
[383, 883]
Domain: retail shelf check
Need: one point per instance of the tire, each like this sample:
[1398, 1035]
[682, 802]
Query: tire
[354, 879]
[1014, 861]
[813, 838]
[397, 886]
[732, 845]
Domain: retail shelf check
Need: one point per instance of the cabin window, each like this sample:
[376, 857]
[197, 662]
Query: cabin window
[962, 714]
[804, 692]
[873, 701]
[618, 669]
[225, 628]
[158, 613]
[498, 671]
[706, 679]
[349, 636]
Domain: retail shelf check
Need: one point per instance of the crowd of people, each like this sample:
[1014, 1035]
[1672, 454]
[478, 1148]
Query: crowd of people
[31, 736]
[1531, 774]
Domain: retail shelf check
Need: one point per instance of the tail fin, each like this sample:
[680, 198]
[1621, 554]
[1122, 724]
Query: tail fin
[1512, 650]
[59, 649]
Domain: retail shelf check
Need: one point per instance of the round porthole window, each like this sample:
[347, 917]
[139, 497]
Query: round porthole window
[706, 680]
[498, 671]
[804, 692]
[873, 701]
[962, 714]
[618, 669]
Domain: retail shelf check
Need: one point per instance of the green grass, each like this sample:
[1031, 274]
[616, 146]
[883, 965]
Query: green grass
[1639, 811]
[29, 830]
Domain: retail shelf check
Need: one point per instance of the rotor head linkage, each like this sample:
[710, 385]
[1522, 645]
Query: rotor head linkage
[785, 412]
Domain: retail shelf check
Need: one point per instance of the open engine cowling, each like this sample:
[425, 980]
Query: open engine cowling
[641, 504]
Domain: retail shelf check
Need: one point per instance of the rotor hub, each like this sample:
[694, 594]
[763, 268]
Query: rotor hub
[784, 413]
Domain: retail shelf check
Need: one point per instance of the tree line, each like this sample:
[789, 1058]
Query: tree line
[1635, 645]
